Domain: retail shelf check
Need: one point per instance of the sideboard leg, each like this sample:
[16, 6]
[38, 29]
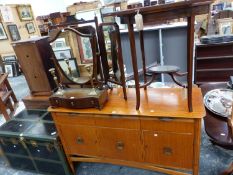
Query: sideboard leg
[196, 146]
[71, 166]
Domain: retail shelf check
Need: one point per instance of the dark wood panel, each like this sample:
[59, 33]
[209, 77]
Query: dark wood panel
[213, 76]
[36, 102]
[214, 63]
[216, 50]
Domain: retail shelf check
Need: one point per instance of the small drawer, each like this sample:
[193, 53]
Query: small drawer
[79, 140]
[168, 149]
[73, 118]
[168, 124]
[120, 144]
[115, 121]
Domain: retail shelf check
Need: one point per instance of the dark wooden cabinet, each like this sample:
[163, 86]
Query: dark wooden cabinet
[213, 62]
[34, 57]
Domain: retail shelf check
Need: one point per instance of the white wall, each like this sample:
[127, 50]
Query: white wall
[43, 7]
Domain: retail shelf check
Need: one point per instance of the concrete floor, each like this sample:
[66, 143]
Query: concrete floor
[213, 159]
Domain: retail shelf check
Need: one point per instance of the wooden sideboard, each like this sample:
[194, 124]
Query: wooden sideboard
[213, 62]
[162, 136]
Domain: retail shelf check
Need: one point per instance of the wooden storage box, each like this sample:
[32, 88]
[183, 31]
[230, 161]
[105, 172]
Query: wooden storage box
[79, 98]
[30, 142]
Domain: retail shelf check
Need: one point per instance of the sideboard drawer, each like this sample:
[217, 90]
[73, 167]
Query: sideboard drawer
[80, 140]
[118, 122]
[73, 118]
[120, 144]
[168, 125]
[168, 149]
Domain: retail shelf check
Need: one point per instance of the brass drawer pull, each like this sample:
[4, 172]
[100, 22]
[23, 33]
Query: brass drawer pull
[120, 145]
[80, 140]
[167, 151]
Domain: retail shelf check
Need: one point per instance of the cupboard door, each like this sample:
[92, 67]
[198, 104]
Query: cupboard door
[79, 140]
[168, 149]
[120, 144]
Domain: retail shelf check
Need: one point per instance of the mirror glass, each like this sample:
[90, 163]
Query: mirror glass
[74, 55]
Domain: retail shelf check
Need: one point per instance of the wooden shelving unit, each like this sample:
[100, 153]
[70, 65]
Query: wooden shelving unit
[213, 62]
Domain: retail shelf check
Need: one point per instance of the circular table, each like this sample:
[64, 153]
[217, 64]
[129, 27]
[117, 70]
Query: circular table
[216, 126]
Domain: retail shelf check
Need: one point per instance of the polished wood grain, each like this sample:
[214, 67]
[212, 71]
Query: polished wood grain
[217, 127]
[166, 7]
[141, 38]
[159, 149]
[116, 55]
[168, 125]
[162, 13]
[70, 119]
[134, 61]
[196, 146]
[164, 102]
[162, 136]
[34, 56]
[36, 102]
[6, 97]
[80, 140]
[120, 144]
[190, 45]
[166, 149]
[126, 122]
[213, 63]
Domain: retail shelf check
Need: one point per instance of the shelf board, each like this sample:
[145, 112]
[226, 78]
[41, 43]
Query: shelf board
[212, 70]
[214, 57]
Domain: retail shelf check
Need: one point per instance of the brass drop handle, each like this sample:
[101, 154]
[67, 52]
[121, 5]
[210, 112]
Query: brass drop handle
[80, 140]
[120, 145]
[167, 151]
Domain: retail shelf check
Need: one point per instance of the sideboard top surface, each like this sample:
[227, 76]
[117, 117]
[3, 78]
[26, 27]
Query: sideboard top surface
[158, 102]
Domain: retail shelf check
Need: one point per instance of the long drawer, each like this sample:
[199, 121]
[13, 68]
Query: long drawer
[168, 125]
[112, 121]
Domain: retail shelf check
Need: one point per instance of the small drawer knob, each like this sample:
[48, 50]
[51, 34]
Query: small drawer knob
[120, 145]
[167, 151]
[80, 140]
